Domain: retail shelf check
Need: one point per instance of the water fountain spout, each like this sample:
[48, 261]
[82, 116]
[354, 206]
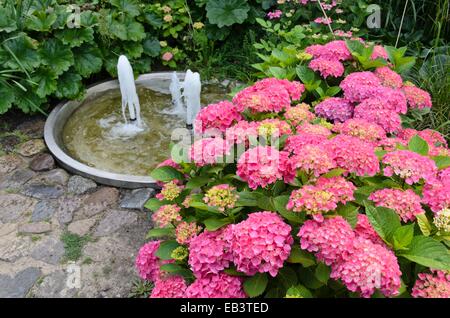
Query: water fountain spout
[175, 91]
[192, 87]
[130, 98]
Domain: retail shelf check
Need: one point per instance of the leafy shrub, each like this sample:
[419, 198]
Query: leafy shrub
[286, 202]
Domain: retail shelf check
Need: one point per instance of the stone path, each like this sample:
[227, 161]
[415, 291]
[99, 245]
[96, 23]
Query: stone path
[63, 235]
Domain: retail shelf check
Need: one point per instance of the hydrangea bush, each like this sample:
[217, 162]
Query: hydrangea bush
[289, 193]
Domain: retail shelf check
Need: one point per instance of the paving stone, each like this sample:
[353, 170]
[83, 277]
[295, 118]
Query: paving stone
[14, 247]
[9, 163]
[32, 128]
[136, 199]
[66, 208]
[42, 162]
[43, 210]
[17, 179]
[31, 147]
[13, 206]
[18, 285]
[80, 185]
[50, 251]
[9, 142]
[43, 191]
[113, 221]
[55, 176]
[54, 285]
[81, 227]
[35, 228]
[104, 196]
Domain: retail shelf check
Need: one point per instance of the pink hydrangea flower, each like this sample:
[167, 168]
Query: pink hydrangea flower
[432, 285]
[170, 191]
[295, 89]
[335, 109]
[436, 193]
[313, 159]
[217, 116]
[185, 231]
[167, 214]
[299, 114]
[209, 252]
[334, 50]
[261, 166]
[216, 286]
[354, 155]
[169, 287]
[147, 263]
[379, 52]
[330, 240]
[242, 132]
[371, 111]
[261, 243]
[209, 151]
[368, 268]
[388, 77]
[359, 86]
[327, 67]
[275, 14]
[307, 128]
[362, 129]
[222, 196]
[409, 165]
[322, 197]
[405, 203]
[364, 229]
[273, 127]
[417, 98]
[295, 143]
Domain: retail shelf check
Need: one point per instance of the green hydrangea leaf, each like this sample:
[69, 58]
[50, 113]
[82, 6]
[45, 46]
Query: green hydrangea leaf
[19, 53]
[69, 85]
[41, 21]
[46, 82]
[151, 47]
[7, 98]
[135, 31]
[134, 50]
[76, 36]
[227, 12]
[130, 7]
[88, 60]
[7, 23]
[256, 285]
[428, 252]
[56, 55]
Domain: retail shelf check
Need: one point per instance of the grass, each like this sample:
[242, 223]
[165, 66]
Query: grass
[73, 245]
[434, 76]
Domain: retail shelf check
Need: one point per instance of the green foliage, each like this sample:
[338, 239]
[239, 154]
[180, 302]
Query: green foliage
[227, 12]
[256, 285]
[73, 245]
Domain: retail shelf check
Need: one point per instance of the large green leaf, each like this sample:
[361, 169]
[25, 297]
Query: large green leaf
[41, 21]
[7, 98]
[69, 85]
[280, 203]
[298, 256]
[56, 55]
[166, 174]
[428, 252]
[19, 53]
[349, 212]
[418, 145]
[152, 47]
[135, 31]
[442, 162]
[88, 60]
[298, 291]
[256, 285]
[213, 224]
[7, 22]
[76, 36]
[385, 221]
[160, 232]
[165, 249]
[46, 82]
[322, 272]
[287, 277]
[227, 12]
[403, 236]
[130, 7]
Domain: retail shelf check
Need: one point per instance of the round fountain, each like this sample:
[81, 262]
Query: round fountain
[122, 129]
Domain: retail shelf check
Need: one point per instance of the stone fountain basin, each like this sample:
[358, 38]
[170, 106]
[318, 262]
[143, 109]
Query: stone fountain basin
[57, 119]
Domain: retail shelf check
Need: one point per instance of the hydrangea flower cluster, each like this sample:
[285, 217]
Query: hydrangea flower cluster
[261, 243]
[299, 114]
[313, 159]
[409, 165]
[273, 128]
[354, 155]
[294, 144]
[362, 129]
[170, 191]
[216, 286]
[185, 231]
[388, 77]
[442, 221]
[335, 109]
[169, 287]
[322, 197]
[417, 98]
[209, 253]
[217, 116]
[436, 192]
[328, 58]
[364, 229]
[261, 166]
[208, 151]
[242, 132]
[432, 285]
[166, 215]
[147, 263]
[222, 196]
[404, 202]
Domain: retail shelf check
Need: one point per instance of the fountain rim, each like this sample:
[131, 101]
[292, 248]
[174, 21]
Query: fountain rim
[79, 168]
